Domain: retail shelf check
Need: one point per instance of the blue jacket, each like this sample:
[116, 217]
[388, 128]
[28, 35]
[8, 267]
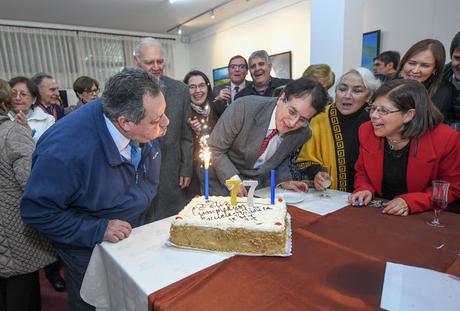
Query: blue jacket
[79, 181]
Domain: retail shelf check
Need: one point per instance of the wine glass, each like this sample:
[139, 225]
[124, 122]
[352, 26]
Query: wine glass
[325, 173]
[438, 200]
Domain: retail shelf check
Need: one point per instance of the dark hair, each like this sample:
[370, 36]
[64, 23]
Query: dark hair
[409, 94]
[84, 83]
[124, 92]
[238, 56]
[439, 53]
[206, 80]
[31, 87]
[304, 87]
[389, 57]
[38, 78]
[455, 44]
[6, 97]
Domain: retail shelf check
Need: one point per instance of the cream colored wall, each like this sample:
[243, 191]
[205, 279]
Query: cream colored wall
[278, 26]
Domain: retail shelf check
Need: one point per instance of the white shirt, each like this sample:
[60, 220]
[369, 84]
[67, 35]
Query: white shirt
[38, 121]
[232, 88]
[272, 145]
[119, 139]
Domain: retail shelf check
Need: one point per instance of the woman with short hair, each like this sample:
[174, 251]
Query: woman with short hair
[403, 148]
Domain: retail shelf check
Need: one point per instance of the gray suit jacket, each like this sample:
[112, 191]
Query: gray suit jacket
[238, 135]
[176, 152]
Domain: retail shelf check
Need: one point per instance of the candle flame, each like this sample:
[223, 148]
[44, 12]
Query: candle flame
[205, 154]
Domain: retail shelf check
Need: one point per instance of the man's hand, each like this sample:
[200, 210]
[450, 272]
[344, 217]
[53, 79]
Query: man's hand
[117, 230]
[184, 181]
[224, 94]
[242, 192]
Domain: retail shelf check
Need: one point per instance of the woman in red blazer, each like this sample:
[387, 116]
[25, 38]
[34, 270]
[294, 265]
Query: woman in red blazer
[403, 149]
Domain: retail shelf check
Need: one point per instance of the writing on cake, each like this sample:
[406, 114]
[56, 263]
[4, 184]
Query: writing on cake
[214, 210]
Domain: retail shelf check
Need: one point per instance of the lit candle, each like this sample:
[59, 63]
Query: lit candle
[272, 186]
[235, 185]
[252, 184]
[206, 156]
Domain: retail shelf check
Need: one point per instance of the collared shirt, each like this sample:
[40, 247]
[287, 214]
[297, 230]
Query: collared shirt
[232, 88]
[119, 139]
[455, 82]
[272, 145]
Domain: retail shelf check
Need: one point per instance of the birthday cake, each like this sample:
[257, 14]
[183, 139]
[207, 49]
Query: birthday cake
[217, 225]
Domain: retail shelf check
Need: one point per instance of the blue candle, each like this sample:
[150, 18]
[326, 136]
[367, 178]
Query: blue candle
[206, 185]
[272, 187]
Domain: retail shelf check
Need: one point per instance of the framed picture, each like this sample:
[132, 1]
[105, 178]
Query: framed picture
[220, 76]
[281, 65]
[371, 48]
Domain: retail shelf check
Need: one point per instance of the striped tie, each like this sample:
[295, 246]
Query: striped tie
[266, 141]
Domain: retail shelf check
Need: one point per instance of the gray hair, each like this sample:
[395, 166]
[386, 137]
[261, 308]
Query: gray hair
[124, 92]
[369, 80]
[146, 42]
[260, 54]
[39, 77]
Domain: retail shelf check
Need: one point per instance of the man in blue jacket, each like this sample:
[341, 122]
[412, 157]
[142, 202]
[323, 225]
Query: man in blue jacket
[95, 172]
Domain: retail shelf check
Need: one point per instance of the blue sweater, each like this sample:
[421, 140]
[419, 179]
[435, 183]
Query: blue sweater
[79, 181]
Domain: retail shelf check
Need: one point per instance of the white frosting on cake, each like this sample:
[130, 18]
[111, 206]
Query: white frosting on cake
[217, 212]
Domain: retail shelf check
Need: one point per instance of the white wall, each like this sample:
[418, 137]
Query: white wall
[404, 22]
[277, 26]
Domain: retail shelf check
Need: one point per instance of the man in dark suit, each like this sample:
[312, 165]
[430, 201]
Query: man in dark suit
[224, 94]
[177, 144]
[256, 134]
[262, 83]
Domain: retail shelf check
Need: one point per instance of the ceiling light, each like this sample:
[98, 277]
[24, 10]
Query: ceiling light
[172, 1]
[179, 31]
[212, 14]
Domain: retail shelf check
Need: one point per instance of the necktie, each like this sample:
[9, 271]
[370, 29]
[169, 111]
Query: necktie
[266, 141]
[135, 153]
[236, 89]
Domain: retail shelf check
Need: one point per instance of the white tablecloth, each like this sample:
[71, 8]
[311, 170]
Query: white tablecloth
[120, 276]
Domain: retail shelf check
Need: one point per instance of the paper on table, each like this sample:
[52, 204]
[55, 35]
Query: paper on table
[412, 288]
[312, 202]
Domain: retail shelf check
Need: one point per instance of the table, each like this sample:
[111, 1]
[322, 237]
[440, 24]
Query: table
[338, 262]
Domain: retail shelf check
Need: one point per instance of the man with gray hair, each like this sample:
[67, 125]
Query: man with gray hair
[95, 172]
[263, 84]
[177, 145]
[49, 95]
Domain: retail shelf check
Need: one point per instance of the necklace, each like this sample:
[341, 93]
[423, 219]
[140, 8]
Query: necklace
[394, 142]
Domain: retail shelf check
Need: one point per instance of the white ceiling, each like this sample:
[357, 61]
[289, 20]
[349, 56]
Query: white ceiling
[151, 16]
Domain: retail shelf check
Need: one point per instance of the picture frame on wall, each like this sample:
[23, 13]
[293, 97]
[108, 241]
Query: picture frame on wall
[220, 76]
[281, 65]
[370, 48]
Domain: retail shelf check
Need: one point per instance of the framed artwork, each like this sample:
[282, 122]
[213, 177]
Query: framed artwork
[281, 65]
[220, 76]
[371, 48]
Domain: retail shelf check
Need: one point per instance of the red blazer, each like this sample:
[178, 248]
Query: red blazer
[435, 156]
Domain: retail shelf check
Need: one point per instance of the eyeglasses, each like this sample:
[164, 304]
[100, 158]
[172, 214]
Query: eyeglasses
[296, 115]
[200, 86]
[235, 66]
[96, 91]
[381, 111]
[20, 94]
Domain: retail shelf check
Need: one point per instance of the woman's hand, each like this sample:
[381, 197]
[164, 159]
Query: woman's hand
[396, 207]
[360, 198]
[22, 120]
[195, 125]
[319, 180]
[295, 185]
